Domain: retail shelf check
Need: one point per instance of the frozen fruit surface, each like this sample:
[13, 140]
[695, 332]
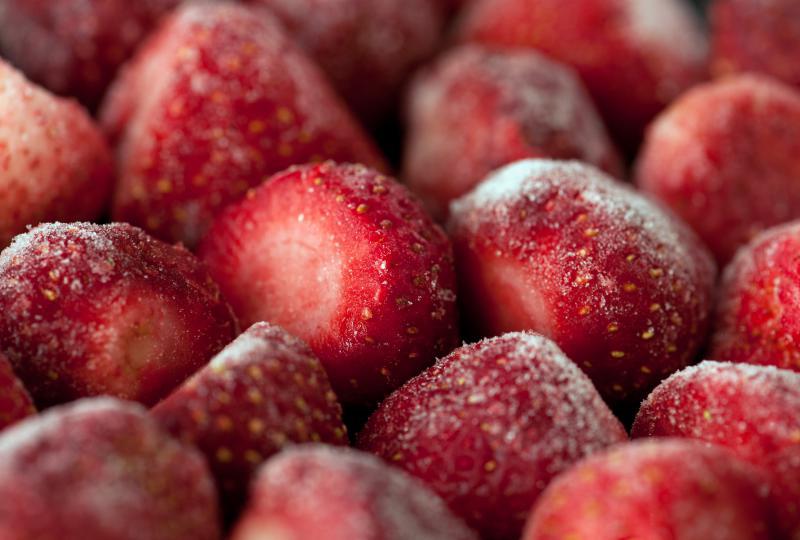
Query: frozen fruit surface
[346, 259]
[216, 101]
[659, 490]
[488, 426]
[753, 410]
[15, 402]
[54, 162]
[105, 309]
[476, 109]
[315, 491]
[101, 469]
[635, 56]
[726, 158]
[262, 392]
[564, 250]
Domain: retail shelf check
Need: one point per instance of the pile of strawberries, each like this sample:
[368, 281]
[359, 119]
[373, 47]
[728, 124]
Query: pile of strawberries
[223, 316]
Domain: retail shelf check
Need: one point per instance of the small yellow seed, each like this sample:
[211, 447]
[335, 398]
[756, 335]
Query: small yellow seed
[617, 354]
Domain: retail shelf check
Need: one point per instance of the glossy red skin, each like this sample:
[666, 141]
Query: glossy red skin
[101, 469]
[387, 307]
[216, 101]
[75, 47]
[633, 58]
[753, 410]
[562, 249]
[724, 157]
[105, 309]
[263, 391]
[54, 162]
[659, 490]
[490, 425]
[367, 48]
[292, 495]
[476, 109]
[15, 402]
[756, 36]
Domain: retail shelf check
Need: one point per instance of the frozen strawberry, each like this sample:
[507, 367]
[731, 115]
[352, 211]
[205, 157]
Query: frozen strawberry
[660, 490]
[218, 99]
[635, 56]
[756, 36]
[263, 391]
[292, 500]
[757, 318]
[105, 309]
[477, 109]
[74, 47]
[725, 158]
[346, 259]
[564, 250]
[490, 425]
[366, 47]
[753, 410]
[100, 469]
[54, 162]
[15, 402]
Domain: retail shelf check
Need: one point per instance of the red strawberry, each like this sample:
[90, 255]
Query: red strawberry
[74, 47]
[753, 410]
[366, 47]
[490, 425]
[756, 35]
[725, 158]
[758, 313]
[105, 309]
[346, 259]
[476, 109]
[216, 101]
[635, 56]
[562, 249]
[658, 490]
[54, 163]
[100, 469]
[315, 491]
[263, 391]
[15, 402]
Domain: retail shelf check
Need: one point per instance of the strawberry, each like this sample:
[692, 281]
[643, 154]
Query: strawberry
[100, 469]
[54, 162]
[669, 489]
[105, 309]
[756, 36]
[476, 109]
[216, 101]
[366, 47]
[564, 250]
[635, 56]
[263, 391]
[346, 259]
[753, 410]
[724, 157]
[74, 47]
[372, 500]
[490, 425]
[15, 402]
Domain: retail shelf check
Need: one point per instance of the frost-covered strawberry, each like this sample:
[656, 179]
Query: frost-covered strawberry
[315, 491]
[490, 425]
[101, 469]
[564, 250]
[659, 490]
[346, 259]
[54, 162]
[477, 109]
[263, 391]
[15, 402]
[105, 309]
[216, 101]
